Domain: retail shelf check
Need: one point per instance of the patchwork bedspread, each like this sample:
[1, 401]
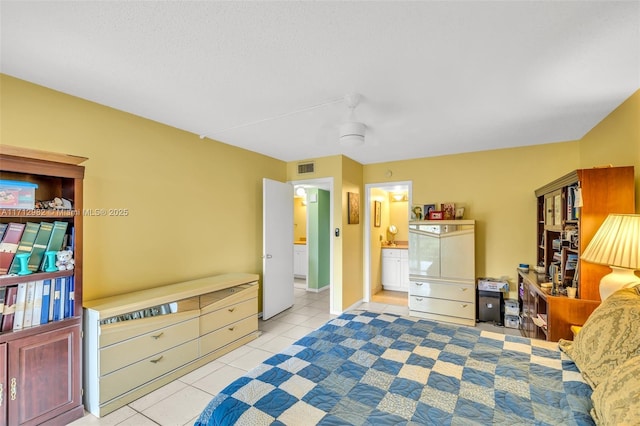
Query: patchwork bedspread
[366, 368]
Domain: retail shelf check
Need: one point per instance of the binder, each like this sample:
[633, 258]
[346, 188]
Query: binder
[21, 298]
[9, 245]
[40, 246]
[46, 296]
[55, 240]
[28, 304]
[25, 245]
[9, 308]
[57, 301]
[37, 303]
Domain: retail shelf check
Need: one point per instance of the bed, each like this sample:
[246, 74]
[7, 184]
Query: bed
[368, 368]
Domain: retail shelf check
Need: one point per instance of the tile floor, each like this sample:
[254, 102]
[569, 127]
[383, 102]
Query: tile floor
[181, 401]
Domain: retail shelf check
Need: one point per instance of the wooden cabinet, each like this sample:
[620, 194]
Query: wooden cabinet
[41, 366]
[570, 211]
[548, 317]
[300, 260]
[395, 269]
[137, 342]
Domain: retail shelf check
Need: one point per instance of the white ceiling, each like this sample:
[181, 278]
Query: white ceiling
[436, 77]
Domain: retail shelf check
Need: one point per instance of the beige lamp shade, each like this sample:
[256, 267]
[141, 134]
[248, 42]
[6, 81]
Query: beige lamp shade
[616, 244]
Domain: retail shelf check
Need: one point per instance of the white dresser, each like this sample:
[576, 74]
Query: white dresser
[442, 270]
[136, 342]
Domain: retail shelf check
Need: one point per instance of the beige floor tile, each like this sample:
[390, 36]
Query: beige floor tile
[278, 344]
[261, 340]
[234, 354]
[191, 402]
[294, 318]
[275, 327]
[297, 332]
[252, 358]
[214, 383]
[201, 372]
[139, 420]
[110, 419]
[157, 395]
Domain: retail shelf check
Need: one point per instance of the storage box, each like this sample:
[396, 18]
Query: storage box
[17, 195]
[511, 321]
[511, 307]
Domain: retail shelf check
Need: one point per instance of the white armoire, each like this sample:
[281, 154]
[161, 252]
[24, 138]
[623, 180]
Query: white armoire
[442, 270]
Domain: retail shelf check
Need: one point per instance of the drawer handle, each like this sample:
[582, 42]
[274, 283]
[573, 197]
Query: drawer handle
[464, 305]
[419, 299]
[231, 328]
[231, 309]
[157, 336]
[464, 289]
[419, 284]
[155, 361]
[13, 389]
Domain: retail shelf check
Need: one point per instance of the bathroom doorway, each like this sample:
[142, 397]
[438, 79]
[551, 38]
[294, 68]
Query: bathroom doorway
[386, 234]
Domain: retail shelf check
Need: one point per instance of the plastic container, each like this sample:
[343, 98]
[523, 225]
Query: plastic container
[511, 307]
[17, 194]
[511, 321]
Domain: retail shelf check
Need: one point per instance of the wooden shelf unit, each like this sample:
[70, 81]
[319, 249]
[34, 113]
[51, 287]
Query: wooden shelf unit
[564, 230]
[40, 366]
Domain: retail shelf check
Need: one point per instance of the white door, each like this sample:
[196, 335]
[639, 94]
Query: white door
[277, 245]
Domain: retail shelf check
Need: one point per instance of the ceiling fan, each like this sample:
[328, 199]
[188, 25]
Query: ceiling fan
[352, 131]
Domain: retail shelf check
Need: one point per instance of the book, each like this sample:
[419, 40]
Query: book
[69, 300]
[26, 244]
[55, 240]
[3, 227]
[21, 298]
[46, 297]
[28, 304]
[37, 303]
[3, 291]
[9, 245]
[40, 246]
[9, 308]
[57, 299]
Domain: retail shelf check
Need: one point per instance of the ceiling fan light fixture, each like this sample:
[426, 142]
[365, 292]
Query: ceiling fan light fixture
[352, 133]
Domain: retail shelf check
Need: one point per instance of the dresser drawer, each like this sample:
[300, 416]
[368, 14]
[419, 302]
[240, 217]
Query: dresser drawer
[227, 315]
[443, 307]
[218, 299]
[443, 290]
[132, 350]
[134, 375]
[229, 333]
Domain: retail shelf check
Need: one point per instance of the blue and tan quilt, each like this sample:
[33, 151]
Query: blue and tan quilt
[366, 368]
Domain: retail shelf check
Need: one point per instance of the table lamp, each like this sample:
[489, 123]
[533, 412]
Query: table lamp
[617, 245]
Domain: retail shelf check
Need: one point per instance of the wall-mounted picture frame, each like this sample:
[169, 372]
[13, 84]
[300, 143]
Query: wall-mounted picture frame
[427, 209]
[449, 210]
[459, 213]
[377, 213]
[353, 208]
[436, 215]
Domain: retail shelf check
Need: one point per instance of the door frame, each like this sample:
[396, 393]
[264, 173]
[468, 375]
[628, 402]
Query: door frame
[327, 185]
[387, 186]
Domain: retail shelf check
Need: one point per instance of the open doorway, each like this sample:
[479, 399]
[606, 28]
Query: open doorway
[313, 245]
[386, 234]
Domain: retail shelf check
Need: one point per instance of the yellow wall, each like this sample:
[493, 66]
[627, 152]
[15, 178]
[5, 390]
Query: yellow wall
[399, 216]
[497, 190]
[195, 206]
[352, 236]
[299, 219]
[378, 234]
[616, 140]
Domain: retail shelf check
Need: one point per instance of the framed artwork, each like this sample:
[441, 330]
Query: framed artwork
[416, 213]
[353, 208]
[377, 212]
[428, 208]
[436, 215]
[449, 210]
[459, 213]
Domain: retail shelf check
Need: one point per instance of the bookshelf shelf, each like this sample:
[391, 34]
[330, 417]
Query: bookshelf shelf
[53, 342]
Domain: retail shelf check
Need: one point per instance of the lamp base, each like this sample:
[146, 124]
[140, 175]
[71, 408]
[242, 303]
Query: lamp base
[617, 279]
